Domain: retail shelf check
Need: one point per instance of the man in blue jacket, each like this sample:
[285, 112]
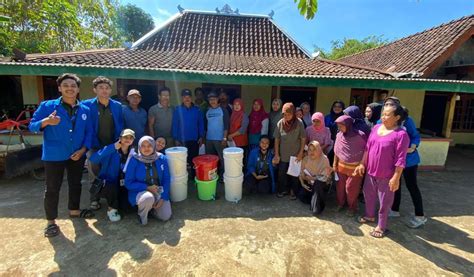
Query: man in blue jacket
[188, 125]
[107, 123]
[66, 137]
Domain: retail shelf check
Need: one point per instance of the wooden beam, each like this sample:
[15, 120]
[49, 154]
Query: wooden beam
[448, 124]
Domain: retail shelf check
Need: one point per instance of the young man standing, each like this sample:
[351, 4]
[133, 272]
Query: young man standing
[217, 119]
[67, 136]
[134, 116]
[106, 124]
[224, 101]
[188, 126]
[160, 117]
[199, 100]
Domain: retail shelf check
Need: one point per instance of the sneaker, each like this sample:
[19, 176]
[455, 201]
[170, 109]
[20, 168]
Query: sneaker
[393, 214]
[113, 215]
[417, 221]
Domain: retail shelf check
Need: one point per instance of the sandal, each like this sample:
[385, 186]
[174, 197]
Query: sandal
[378, 233]
[293, 197]
[365, 220]
[95, 205]
[85, 213]
[280, 195]
[51, 230]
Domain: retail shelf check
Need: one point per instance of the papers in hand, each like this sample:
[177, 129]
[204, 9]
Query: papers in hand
[295, 167]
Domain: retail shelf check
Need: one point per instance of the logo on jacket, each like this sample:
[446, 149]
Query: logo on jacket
[84, 116]
[162, 167]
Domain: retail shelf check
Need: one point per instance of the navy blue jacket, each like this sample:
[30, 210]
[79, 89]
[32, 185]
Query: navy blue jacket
[109, 160]
[115, 108]
[62, 140]
[188, 123]
[252, 164]
[135, 178]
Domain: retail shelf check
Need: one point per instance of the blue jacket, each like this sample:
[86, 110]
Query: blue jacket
[115, 108]
[252, 164]
[410, 127]
[62, 140]
[188, 124]
[135, 177]
[109, 160]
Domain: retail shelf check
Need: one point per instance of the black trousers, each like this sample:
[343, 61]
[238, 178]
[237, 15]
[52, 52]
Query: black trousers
[193, 151]
[409, 174]
[252, 185]
[110, 193]
[54, 172]
[285, 181]
[318, 188]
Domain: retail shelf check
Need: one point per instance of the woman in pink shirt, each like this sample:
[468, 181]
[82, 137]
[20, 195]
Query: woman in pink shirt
[383, 160]
[319, 132]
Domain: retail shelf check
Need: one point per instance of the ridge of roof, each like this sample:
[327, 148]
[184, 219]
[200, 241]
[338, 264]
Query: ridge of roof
[290, 37]
[156, 30]
[90, 51]
[355, 66]
[410, 36]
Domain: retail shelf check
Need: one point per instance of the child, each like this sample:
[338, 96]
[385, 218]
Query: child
[260, 177]
[384, 159]
[315, 173]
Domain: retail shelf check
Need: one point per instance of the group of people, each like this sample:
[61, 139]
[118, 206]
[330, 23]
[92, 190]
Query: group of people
[124, 146]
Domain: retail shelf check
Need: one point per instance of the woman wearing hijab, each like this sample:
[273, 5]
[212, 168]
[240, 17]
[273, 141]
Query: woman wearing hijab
[372, 114]
[238, 125]
[148, 182]
[289, 141]
[336, 111]
[359, 122]
[258, 123]
[275, 116]
[299, 115]
[348, 152]
[319, 132]
[306, 109]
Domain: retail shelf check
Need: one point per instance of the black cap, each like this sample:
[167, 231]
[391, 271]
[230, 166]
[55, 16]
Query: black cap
[212, 95]
[186, 92]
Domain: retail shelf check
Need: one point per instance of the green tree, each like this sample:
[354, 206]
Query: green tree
[58, 25]
[350, 46]
[133, 22]
[307, 8]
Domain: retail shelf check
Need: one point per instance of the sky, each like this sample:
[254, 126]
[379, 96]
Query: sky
[335, 19]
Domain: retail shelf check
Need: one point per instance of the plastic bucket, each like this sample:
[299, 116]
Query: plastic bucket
[233, 161]
[206, 167]
[206, 189]
[177, 160]
[179, 188]
[233, 188]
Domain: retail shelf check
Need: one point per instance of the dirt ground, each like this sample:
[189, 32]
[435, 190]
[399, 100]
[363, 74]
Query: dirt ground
[259, 236]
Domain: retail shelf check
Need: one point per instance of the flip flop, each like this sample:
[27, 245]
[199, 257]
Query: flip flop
[51, 230]
[378, 234]
[365, 220]
[85, 213]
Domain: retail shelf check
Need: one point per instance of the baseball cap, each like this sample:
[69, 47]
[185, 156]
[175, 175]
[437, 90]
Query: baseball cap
[127, 132]
[186, 92]
[134, 92]
[212, 95]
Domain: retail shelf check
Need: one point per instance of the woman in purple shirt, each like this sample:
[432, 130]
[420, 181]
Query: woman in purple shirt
[384, 160]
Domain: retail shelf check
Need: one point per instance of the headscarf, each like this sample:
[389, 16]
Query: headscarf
[274, 117]
[150, 158]
[256, 118]
[289, 125]
[376, 111]
[237, 116]
[359, 122]
[319, 166]
[350, 145]
[319, 116]
[334, 115]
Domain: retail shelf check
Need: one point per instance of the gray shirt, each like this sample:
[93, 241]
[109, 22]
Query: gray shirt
[290, 143]
[163, 120]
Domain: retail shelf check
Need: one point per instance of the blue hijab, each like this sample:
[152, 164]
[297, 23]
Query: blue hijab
[359, 120]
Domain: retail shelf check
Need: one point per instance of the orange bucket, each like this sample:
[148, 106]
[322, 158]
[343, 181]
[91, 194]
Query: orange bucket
[206, 167]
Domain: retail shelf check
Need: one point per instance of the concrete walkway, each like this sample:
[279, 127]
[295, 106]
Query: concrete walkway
[260, 236]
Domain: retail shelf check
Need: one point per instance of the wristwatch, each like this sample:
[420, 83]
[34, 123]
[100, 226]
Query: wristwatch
[224, 139]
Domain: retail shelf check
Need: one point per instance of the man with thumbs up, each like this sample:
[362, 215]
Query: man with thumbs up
[66, 137]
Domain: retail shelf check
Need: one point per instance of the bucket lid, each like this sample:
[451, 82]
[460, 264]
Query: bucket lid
[175, 150]
[205, 159]
[233, 150]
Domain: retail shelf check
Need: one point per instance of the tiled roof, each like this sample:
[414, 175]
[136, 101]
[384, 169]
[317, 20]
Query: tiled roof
[223, 34]
[416, 52]
[204, 62]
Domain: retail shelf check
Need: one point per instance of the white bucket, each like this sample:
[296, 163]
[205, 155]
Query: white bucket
[233, 161]
[177, 160]
[233, 188]
[179, 188]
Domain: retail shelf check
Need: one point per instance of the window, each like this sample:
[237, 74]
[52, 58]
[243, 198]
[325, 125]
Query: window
[361, 98]
[464, 114]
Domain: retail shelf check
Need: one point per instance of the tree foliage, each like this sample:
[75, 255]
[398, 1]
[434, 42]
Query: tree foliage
[133, 22]
[307, 8]
[350, 46]
[48, 26]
